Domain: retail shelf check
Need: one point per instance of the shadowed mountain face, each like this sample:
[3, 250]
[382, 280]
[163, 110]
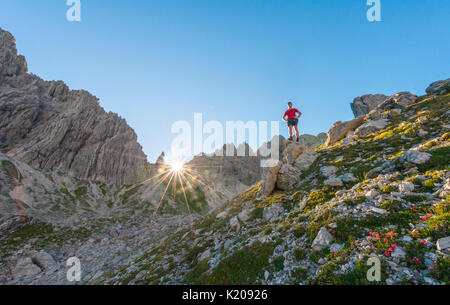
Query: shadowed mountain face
[49, 126]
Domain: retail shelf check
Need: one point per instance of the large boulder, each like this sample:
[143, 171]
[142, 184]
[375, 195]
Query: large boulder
[397, 101]
[305, 160]
[44, 260]
[415, 156]
[25, 268]
[270, 179]
[322, 240]
[443, 243]
[288, 176]
[340, 130]
[362, 105]
[297, 158]
[292, 151]
[328, 171]
[376, 103]
[284, 175]
[439, 87]
[370, 127]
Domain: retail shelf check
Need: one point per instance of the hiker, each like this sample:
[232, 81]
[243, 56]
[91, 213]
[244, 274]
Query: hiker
[291, 117]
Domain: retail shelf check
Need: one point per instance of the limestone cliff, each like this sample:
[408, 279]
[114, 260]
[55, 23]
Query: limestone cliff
[49, 126]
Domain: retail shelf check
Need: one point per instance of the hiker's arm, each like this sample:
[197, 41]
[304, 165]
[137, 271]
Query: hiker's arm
[284, 115]
[299, 114]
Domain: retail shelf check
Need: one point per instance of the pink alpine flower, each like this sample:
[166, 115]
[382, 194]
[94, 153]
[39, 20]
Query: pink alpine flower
[390, 234]
[387, 253]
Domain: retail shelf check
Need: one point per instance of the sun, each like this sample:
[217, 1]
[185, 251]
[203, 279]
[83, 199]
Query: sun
[177, 166]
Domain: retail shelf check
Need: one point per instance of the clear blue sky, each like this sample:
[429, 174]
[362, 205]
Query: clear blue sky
[154, 62]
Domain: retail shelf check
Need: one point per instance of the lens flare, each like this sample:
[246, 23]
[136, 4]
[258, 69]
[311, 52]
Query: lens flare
[177, 166]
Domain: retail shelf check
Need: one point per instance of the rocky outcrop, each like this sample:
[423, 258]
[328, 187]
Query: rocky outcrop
[362, 105]
[375, 103]
[11, 64]
[370, 127]
[439, 87]
[284, 174]
[270, 180]
[340, 130]
[370, 117]
[322, 240]
[49, 126]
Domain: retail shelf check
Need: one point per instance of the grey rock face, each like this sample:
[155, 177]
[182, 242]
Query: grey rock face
[364, 104]
[287, 176]
[49, 126]
[443, 243]
[415, 156]
[44, 260]
[439, 87]
[25, 268]
[340, 130]
[327, 171]
[297, 158]
[322, 240]
[370, 127]
[10, 63]
[270, 179]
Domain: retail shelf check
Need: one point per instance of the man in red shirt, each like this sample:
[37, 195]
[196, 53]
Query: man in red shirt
[291, 117]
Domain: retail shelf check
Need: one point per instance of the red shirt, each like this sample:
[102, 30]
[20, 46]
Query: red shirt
[291, 113]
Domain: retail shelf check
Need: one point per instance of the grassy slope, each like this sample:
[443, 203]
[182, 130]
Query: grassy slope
[245, 260]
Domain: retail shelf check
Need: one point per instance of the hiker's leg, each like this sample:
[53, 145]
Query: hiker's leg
[290, 130]
[296, 131]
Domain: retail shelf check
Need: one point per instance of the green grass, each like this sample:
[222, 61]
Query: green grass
[278, 263]
[80, 192]
[358, 276]
[244, 266]
[440, 160]
[11, 172]
[300, 254]
[130, 192]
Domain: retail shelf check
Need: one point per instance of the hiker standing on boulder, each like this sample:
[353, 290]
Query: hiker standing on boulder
[291, 117]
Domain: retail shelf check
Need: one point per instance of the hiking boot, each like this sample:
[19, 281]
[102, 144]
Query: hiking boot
[290, 139]
[298, 139]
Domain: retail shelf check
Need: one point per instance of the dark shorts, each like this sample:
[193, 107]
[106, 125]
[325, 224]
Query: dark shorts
[292, 122]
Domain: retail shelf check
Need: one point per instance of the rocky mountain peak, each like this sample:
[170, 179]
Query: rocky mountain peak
[49, 126]
[11, 64]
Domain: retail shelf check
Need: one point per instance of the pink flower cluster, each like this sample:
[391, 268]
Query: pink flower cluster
[424, 242]
[415, 259]
[391, 249]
